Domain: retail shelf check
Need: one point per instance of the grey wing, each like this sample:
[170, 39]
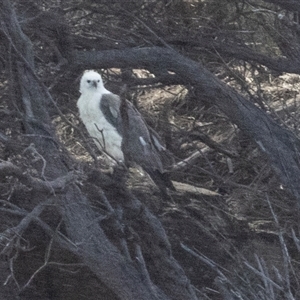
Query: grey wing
[140, 143]
[110, 107]
[165, 155]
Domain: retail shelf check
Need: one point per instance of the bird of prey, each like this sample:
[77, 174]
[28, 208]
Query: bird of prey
[119, 130]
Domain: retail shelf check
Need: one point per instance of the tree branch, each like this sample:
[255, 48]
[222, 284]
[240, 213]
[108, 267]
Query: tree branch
[281, 145]
[291, 5]
[57, 185]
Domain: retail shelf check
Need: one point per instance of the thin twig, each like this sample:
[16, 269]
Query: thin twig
[46, 260]
[287, 264]
[37, 156]
[13, 234]
[148, 28]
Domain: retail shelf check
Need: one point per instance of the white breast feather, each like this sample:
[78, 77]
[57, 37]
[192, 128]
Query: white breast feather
[95, 122]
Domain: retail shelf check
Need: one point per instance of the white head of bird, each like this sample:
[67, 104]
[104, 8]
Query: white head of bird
[91, 82]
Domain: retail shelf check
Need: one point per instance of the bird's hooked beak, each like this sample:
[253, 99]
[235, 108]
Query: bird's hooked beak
[94, 83]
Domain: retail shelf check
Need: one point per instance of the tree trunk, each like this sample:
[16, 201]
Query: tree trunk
[127, 278]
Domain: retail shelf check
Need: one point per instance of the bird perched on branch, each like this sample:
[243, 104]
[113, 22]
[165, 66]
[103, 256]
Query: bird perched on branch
[120, 131]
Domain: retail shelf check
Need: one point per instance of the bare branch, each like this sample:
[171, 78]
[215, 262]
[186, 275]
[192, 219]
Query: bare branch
[14, 234]
[57, 185]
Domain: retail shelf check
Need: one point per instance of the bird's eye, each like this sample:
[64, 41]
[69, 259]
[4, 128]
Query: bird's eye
[88, 81]
[98, 80]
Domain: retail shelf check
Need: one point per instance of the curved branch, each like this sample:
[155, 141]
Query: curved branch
[240, 51]
[280, 145]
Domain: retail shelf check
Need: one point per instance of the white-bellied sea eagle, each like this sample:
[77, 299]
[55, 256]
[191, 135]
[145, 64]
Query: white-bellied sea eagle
[119, 129]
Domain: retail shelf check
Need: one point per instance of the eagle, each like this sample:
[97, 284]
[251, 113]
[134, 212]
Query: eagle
[120, 131]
